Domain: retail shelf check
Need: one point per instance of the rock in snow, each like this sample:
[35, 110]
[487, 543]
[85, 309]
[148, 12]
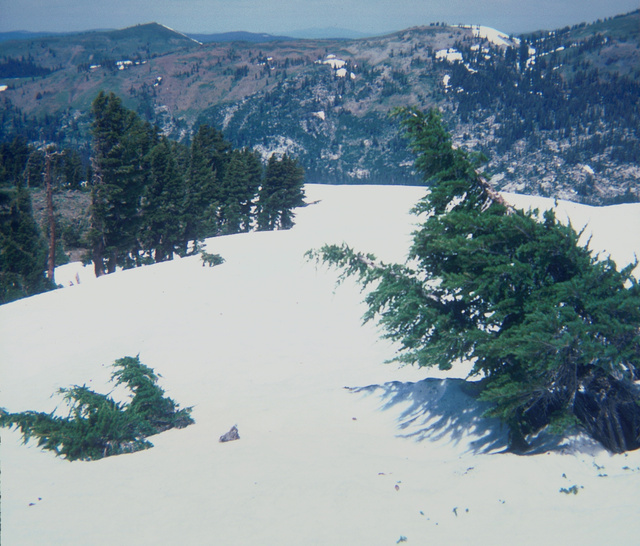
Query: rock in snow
[231, 435]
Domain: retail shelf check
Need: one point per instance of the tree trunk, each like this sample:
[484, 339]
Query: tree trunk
[97, 220]
[112, 262]
[51, 220]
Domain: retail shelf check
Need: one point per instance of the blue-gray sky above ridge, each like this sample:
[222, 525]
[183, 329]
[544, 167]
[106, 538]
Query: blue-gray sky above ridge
[283, 16]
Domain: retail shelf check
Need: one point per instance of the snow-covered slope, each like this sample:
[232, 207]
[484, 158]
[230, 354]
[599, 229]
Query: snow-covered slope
[266, 341]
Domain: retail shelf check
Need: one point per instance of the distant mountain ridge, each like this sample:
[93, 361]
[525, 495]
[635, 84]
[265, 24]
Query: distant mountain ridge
[239, 36]
[28, 35]
[230, 36]
[329, 33]
[556, 112]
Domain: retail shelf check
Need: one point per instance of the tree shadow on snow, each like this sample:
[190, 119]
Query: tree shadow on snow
[446, 411]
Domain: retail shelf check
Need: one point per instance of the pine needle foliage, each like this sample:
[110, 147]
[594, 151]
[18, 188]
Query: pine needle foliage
[97, 426]
[552, 330]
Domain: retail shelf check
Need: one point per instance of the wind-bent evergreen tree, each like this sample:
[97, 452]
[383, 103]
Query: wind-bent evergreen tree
[97, 426]
[282, 191]
[552, 331]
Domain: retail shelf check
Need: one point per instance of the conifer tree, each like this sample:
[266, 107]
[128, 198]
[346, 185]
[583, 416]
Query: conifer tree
[238, 190]
[282, 191]
[121, 141]
[208, 159]
[232, 195]
[23, 252]
[253, 168]
[552, 331]
[162, 217]
[97, 426]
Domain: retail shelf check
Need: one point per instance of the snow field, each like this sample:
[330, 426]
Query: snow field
[266, 341]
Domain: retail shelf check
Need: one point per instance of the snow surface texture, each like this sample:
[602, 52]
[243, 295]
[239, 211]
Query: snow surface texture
[266, 341]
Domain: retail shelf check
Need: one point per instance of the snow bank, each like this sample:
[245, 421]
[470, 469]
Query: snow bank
[494, 36]
[451, 55]
[266, 341]
[612, 231]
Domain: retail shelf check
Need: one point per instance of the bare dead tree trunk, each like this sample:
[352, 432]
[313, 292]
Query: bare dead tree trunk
[50, 216]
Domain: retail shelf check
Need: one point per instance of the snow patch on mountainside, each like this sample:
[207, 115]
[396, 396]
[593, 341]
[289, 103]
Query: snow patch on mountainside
[494, 36]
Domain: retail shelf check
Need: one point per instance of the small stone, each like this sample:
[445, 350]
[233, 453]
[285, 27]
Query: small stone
[231, 435]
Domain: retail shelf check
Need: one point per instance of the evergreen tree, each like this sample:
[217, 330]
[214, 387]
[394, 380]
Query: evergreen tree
[23, 251]
[97, 426]
[121, 141]
[208, 159]
[253, 177]
[282, 191]
[34, 169]
[162, 218]
[14, 156]
[551, 330]
[239, 188]
[232, 192]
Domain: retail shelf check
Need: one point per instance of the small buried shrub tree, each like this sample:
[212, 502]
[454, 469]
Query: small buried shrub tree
[211, 259]
[98, 426]
[551, 330]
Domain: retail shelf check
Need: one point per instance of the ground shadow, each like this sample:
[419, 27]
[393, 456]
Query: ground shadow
[447, 410]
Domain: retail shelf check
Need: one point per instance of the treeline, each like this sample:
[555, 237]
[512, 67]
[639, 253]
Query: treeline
[151, 198]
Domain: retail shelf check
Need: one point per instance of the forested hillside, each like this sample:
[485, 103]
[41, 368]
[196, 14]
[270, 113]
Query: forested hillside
[555, 112]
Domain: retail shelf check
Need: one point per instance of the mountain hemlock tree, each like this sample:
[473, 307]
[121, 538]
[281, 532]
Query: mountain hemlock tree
[282, 190]
[23, 251]
[162, 218]
[209, 155]
[552, 332]
[121, 141]
[233, 186]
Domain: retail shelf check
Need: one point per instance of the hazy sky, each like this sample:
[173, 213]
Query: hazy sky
[282, 16]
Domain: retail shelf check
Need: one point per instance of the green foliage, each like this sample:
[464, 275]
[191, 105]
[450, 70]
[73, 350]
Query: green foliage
[152, 198]
[120, 143]
[551, 330]
[281, 192]
[207, 160]
[211, 259]
[97, 426]
[23, 252]
[162, 222]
